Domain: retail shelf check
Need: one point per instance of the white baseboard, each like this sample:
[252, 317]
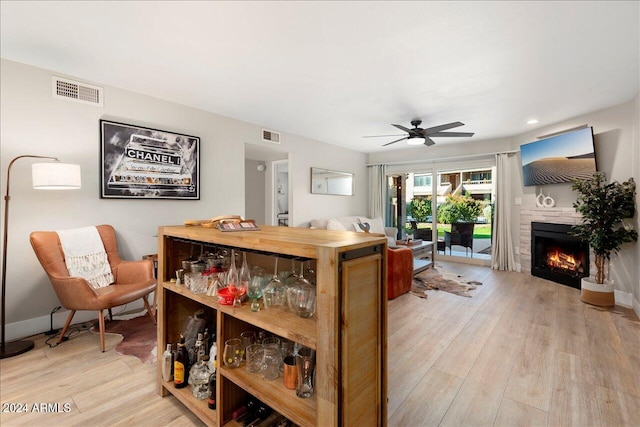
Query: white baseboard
[623, 298]
[636, 306]
[38, 325]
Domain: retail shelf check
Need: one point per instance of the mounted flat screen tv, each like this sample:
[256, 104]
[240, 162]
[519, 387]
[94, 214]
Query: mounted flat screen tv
[560, 158]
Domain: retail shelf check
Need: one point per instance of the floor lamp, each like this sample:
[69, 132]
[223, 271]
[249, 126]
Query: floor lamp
[45, 176]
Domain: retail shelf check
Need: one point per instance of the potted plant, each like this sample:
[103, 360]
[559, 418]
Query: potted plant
[603, 207]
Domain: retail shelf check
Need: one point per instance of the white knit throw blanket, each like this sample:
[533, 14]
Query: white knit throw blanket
[85, 256]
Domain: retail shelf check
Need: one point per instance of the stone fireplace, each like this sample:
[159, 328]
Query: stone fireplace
[561, 216]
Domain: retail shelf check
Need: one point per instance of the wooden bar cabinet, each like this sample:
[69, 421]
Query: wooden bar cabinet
[348, 330]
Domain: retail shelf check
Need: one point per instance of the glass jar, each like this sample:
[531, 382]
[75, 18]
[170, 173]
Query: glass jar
[271, 362]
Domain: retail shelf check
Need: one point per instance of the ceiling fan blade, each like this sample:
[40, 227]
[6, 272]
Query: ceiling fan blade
[397, 140]
[451, 134]
[432, 130]
[402, 128]
[428, 141]
[378, 136]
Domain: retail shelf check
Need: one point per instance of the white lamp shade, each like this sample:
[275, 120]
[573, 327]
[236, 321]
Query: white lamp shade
[55, 176]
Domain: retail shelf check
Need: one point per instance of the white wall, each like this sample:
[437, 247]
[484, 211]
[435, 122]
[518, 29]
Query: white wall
[616, 144]
[617, 141]
[255, 190]
[33, 122]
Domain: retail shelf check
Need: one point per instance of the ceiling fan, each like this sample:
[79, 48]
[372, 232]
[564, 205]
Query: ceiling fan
[428, 133]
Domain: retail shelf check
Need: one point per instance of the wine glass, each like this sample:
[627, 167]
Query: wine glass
[236, 288]
[244, 276]
[255, 292]
[274, 294]
[301, 296]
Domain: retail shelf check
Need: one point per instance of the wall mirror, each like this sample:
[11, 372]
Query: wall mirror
[324, 181]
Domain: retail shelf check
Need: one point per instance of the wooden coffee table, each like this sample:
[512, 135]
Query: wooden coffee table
[422, 255]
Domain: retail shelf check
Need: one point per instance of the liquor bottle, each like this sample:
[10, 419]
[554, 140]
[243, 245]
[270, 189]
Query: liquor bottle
[167, 364]
[211, 398]
[199, 349]
[213, 356]
[181, 366]
[205, 340]
[199, 378]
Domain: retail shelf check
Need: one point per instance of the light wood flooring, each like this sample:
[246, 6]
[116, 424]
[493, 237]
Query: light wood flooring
[521, 351]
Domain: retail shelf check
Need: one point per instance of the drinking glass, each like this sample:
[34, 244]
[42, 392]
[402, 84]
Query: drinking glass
[274, 342]
[248, 338]
[306, 366]
[271, 362]
[271, 340]
[255, 356]
[232, 356]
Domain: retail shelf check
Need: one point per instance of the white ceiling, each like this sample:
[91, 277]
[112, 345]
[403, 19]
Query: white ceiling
[336, 71]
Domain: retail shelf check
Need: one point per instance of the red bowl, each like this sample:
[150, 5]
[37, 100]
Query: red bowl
[225, 297]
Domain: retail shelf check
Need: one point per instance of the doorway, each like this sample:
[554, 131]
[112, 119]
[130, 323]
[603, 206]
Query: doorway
[281, 192]
[260, 194]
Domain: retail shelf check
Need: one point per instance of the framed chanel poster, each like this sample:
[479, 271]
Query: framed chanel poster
[143, 163]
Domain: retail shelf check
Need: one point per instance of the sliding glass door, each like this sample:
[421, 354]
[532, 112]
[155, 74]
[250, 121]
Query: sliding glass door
[451, 204]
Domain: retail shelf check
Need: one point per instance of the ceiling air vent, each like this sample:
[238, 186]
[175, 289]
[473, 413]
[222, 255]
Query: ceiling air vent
[270, 136]
[77, 91]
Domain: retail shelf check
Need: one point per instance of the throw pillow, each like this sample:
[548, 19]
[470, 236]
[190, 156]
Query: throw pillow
[377, 226]
[334, 224]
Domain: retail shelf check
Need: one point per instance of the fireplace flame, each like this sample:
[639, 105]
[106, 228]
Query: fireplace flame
[562, 260]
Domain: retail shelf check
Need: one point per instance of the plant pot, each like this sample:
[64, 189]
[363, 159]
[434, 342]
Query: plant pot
[595, 294]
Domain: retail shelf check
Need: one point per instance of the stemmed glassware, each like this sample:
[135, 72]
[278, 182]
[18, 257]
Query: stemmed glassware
[301, 296]
[274, 293]
[236, 287]
[254, 292]
[244, 277]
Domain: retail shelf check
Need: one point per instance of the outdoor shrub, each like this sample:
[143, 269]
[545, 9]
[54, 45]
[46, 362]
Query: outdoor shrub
[420, 208]
[459, 209]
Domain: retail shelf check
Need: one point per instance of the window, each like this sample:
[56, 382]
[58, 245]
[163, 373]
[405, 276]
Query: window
[422, 181]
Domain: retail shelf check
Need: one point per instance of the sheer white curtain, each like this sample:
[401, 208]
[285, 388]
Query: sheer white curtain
[502, 257]
[377, 191]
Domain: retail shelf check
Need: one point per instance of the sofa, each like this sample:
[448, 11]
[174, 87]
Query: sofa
[399, 259]
[351, 223]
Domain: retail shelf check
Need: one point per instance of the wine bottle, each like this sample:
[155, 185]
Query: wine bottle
[211, 400]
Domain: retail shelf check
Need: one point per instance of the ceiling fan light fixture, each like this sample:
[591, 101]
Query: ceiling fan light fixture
[415, 141]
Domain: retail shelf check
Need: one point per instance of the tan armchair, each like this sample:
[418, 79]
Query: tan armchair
[132, 279]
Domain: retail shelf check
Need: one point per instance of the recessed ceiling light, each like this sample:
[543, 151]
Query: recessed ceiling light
[532, 121]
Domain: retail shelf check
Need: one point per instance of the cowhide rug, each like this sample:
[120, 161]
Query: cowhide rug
[437, 278]
[139, 337]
